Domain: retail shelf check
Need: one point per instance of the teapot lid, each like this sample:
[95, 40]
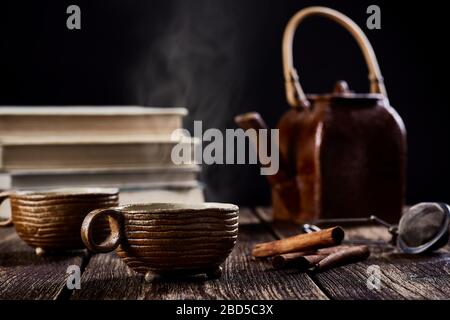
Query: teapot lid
[341, 92]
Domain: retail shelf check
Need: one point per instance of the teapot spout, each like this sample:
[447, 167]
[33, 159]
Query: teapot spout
[253, 120]
[285, 188]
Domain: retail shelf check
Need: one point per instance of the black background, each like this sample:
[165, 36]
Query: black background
[220, 58]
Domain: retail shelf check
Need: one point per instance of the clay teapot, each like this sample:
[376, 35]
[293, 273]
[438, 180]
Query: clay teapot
[342, 154]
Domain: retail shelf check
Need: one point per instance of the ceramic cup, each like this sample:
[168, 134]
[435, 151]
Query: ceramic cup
[168, 239]
[51, 220]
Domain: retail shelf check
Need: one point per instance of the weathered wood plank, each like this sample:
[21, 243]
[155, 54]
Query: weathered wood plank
[245, 278]
[415, 277]
[106, 277]
[402, 276]
[23, 275]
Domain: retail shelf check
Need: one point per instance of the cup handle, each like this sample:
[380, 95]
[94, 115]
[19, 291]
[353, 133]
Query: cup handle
[8, 222]
[114, 239]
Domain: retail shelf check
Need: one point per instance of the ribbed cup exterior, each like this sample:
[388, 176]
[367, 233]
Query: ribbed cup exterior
[53, 221]
[178, 242]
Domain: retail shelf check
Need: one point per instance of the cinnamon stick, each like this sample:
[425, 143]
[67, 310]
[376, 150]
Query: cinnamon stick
[296, 260]
[302, 242]
[305, 260]
[344, 256]
[329, 250]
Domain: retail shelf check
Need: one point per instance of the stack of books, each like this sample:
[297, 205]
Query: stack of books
[125, 147]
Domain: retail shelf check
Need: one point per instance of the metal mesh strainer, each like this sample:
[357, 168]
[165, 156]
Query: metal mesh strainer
[424, 227]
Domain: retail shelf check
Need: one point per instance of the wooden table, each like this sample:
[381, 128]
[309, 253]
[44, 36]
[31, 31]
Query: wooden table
[26, 276]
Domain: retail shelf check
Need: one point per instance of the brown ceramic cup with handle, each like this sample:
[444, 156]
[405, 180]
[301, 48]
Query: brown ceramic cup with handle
[168, 239]
[50, 220]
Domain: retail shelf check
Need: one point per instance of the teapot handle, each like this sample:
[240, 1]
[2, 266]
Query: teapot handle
[294, 92]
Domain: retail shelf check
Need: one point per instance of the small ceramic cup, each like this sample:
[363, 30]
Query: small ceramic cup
[168, 239]
[51, 220]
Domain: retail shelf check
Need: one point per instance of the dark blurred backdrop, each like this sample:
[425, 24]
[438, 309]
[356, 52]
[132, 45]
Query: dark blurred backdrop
[223, 57]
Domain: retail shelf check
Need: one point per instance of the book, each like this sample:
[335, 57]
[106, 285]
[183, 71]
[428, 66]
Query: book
[153, 177]
[109, 121]
[35, 153]
[174, 195]
[130, 148]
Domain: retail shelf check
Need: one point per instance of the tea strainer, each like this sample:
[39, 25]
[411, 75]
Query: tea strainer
[422, 228]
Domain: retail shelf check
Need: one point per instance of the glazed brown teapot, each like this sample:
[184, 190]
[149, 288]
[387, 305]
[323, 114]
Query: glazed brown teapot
[342, 154]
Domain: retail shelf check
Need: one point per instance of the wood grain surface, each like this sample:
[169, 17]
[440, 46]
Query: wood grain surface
[402, 276]
[23, 275]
